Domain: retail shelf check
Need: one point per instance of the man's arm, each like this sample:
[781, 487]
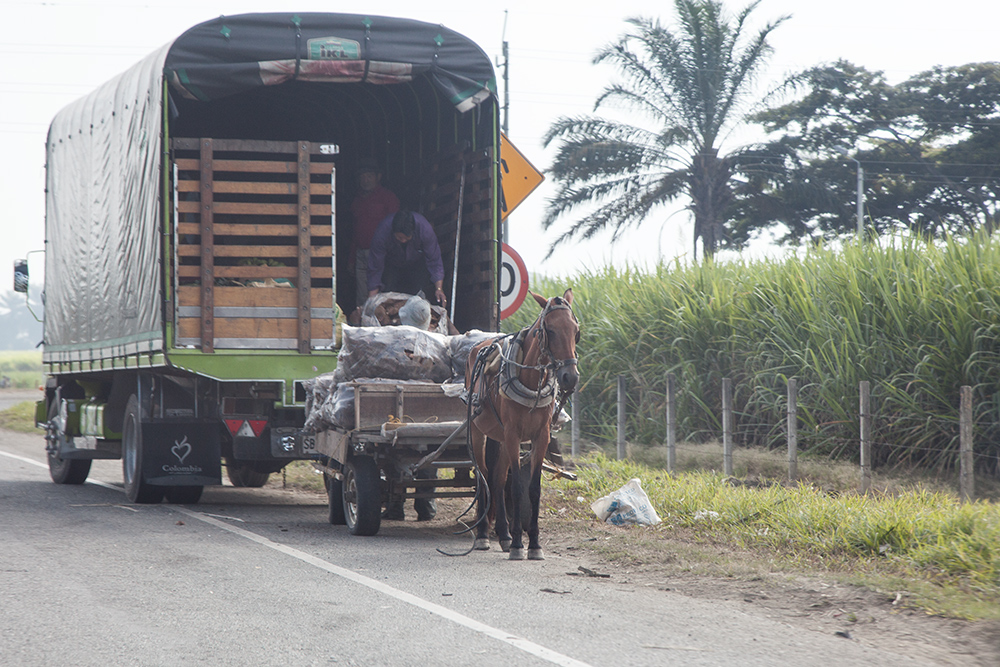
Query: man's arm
[432, 255]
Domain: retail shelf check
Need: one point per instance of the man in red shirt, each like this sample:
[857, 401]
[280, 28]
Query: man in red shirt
[372, 204]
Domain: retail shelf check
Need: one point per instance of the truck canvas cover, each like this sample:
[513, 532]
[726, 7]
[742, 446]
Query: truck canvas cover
[105, 168]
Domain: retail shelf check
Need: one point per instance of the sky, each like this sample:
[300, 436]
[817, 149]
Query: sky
[54, 51]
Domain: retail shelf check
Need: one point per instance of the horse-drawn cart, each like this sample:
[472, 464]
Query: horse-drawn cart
[402, 430]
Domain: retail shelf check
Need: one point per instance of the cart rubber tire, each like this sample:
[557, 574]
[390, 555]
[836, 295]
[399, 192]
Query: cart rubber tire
[335, 501]
[362, 496]
[183, 495]
[66, 471]
[242, 474]
[137, 490]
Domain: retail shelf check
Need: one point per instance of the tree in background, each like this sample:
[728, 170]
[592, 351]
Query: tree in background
[694, 83]
[930, 148]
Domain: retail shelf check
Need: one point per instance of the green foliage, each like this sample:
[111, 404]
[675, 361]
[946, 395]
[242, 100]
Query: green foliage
[917, 320]
[931, 536]
[928, 146]
[20, 418]
[22, 368]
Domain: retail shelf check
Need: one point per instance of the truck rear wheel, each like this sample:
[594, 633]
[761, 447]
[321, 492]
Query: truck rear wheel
[136, 488]
[183, 495]
[64, 471]
[335, 500]
[362, 496]
[68, 471]
[243, 474]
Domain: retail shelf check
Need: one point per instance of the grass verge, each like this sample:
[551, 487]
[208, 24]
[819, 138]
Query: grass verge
[21, 368]
[20, 418]
[300, 475]
[945, 554]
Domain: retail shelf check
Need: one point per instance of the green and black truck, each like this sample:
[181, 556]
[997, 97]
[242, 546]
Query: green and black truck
[195, 253]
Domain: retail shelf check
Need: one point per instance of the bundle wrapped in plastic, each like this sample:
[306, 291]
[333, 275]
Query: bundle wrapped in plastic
[317, 390]
[460, 346]
[332, 409]
[395, 308]
[401, 353]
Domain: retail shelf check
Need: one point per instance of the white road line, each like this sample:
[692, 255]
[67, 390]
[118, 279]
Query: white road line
[46, 466]
[518, 642]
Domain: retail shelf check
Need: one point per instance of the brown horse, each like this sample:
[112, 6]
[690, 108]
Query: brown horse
[512, 383]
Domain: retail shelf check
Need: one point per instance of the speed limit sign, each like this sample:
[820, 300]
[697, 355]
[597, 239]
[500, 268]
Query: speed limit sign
[513, 281]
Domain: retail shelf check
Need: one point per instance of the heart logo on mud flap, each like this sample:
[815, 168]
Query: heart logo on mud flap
[181, 449]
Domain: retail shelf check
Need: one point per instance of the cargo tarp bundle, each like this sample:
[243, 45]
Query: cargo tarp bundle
[396, 308]
[399, 353]
[460, 347]
[389, 354]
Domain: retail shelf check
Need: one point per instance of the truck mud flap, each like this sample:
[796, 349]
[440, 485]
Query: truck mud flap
[181, 454]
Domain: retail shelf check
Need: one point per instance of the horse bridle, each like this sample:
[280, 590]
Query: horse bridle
[554, 365]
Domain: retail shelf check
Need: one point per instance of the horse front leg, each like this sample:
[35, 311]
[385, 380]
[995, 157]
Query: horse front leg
[535, 496]
[539, 447]
[512, 447]
[499, 482]
[480, 452]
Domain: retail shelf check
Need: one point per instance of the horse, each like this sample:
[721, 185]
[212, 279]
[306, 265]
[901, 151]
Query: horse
[512, 384]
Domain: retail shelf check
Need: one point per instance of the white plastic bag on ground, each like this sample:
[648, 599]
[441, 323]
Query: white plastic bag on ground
[629, 504]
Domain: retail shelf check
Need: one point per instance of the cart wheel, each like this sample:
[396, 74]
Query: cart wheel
[362, 496]
[335, 500]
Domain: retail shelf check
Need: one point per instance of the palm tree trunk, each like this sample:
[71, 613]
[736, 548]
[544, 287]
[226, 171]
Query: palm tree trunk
[710, 197]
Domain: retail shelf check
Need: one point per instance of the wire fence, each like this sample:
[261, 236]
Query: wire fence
[868, 450]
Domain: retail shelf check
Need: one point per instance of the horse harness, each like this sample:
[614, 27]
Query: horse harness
[502, 362]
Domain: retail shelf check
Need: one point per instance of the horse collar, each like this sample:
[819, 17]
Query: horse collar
[511, 385]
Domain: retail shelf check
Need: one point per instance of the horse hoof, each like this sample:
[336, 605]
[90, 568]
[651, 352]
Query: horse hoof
[481, 544]
[505, 545]
[516, 554]
[535, 554]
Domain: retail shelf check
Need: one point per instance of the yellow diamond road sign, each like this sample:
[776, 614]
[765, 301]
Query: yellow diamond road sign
[519, 178]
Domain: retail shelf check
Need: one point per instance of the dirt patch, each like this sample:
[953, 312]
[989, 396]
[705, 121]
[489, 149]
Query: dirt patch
[681, 562]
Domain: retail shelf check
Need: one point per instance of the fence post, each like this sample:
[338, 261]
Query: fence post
[621, 417]
[671, 423]
[866, 434]
[575, 424]
[966, 477]
[727, 426]
[793, 431]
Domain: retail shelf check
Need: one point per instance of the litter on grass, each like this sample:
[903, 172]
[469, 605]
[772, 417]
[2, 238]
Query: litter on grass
[627, 505]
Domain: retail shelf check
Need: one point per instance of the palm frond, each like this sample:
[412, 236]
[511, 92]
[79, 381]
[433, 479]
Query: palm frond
[689, 80]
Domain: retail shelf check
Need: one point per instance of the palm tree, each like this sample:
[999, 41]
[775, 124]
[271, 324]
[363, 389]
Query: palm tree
[693, 82]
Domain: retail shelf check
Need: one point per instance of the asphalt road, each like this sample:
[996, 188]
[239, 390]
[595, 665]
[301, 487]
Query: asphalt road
[249, 577]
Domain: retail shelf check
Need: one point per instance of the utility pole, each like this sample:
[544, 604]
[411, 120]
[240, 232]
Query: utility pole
[860, 191]
[506, 78]
[506, 105]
